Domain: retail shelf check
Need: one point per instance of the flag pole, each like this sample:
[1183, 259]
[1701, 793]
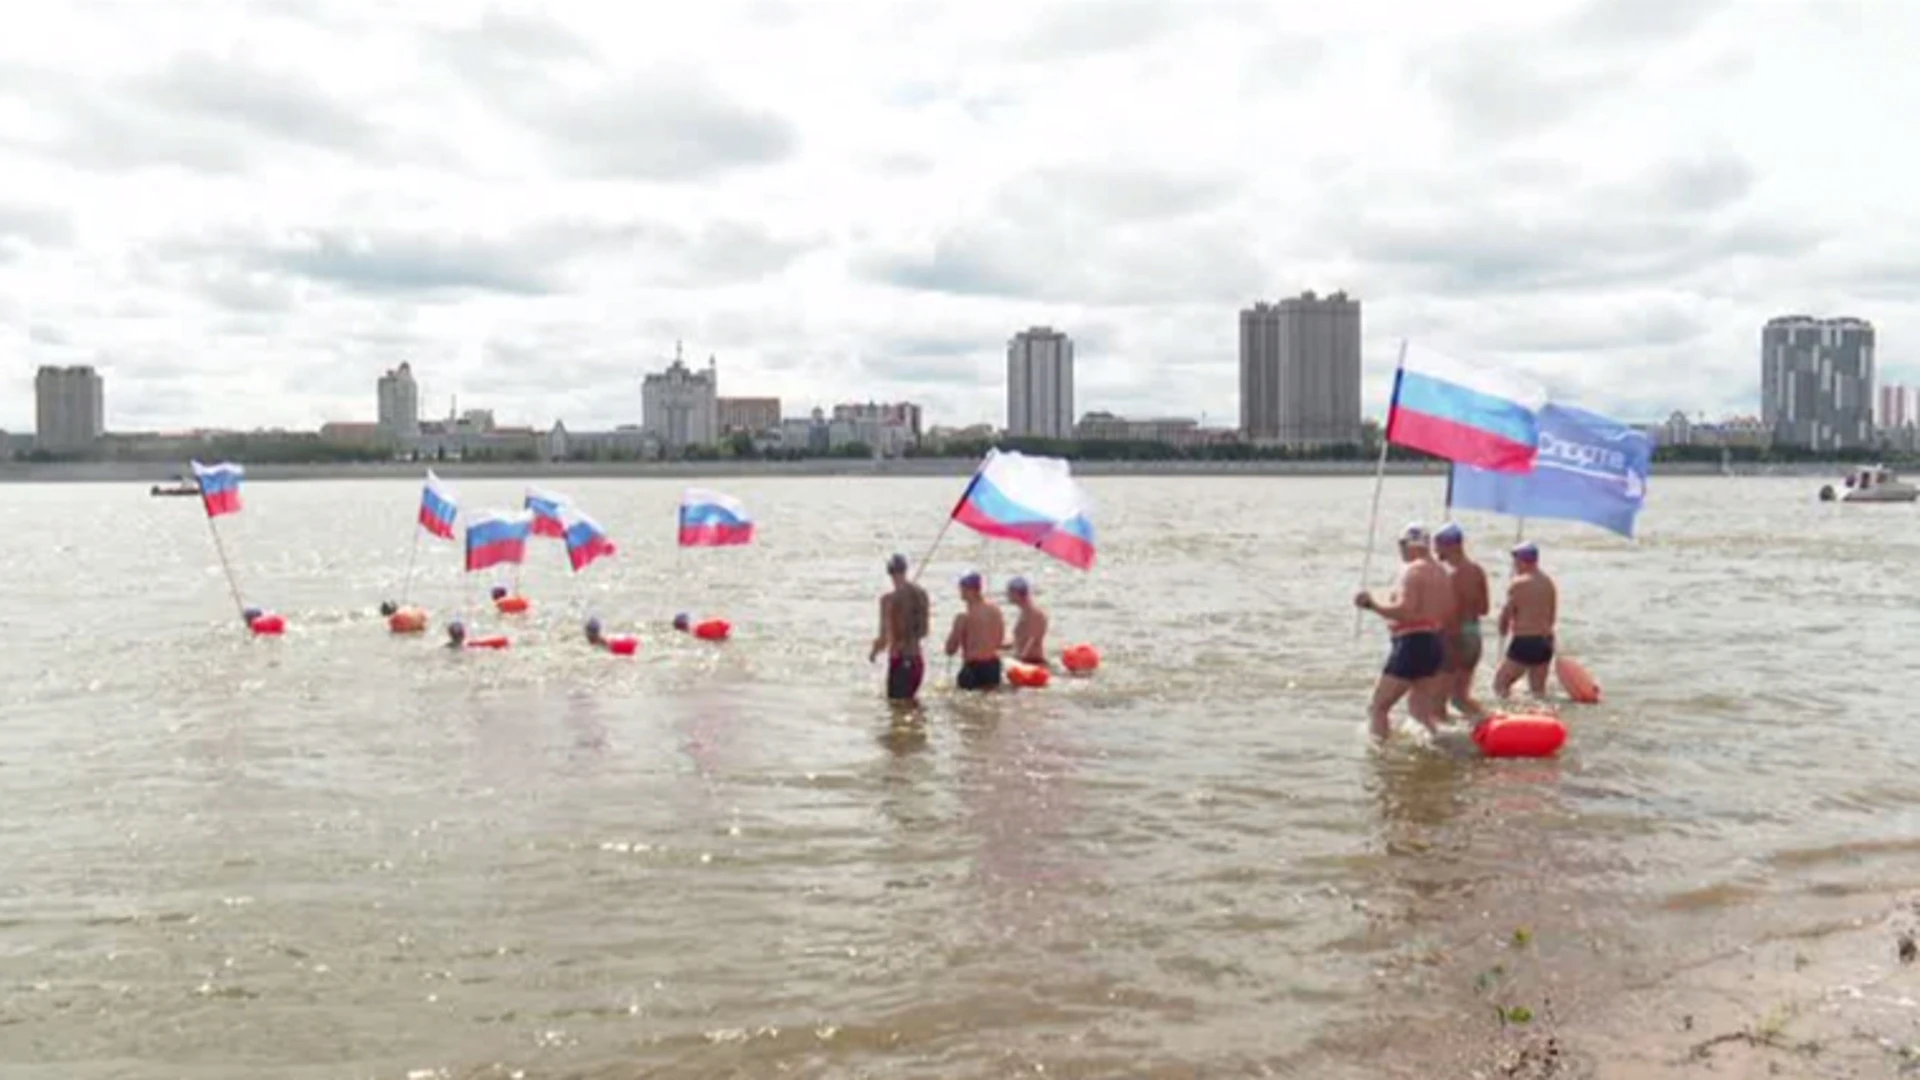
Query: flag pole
[948, 524]
[233, 586]
[1379, 482]
[406, 589]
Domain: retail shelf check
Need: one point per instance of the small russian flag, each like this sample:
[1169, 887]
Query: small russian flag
[219, 487]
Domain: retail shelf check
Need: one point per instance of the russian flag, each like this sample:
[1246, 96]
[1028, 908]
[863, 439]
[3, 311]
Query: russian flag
[494, 538]
[710, 519]
[1033, 501]
[1486, 419]
[586, 540]
[546, 509]
[219, 487]
[437, 508]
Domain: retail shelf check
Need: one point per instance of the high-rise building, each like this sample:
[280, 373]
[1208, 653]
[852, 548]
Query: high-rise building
[681, 407]
[1816, 382]
[747, 415]
[1040, 384]
[1300, 371]
[70, 409]
[1899, 408]
[399, 398]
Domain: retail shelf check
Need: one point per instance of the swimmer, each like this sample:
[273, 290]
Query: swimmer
[248, 615]
[906, 617]
[976, 636]
[388, 608]
[1421, 606]
[594, 637]
[1531, 611]
[1470, 605]
[1029, 644]
[683, 623]
[499, 592]
[456, 635]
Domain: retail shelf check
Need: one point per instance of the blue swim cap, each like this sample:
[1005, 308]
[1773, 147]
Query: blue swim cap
[1526, 552]
[251, 614]
[593, 625]
[1018, 585]
[456, 628]
[896, 563]
[499, 591]
[970, 580]
[1450, 533]
[682, 621]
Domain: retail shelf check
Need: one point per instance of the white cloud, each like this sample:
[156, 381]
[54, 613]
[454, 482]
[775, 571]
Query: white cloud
[243, 212]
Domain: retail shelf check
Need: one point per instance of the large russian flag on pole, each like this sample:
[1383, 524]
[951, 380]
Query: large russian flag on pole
[710, 519]
[1033, 501]
[219, 487]
[546, 508]
[586, 540]
[1468, 415]
[495, 538]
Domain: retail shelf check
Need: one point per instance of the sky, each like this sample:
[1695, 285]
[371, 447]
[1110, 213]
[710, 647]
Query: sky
[242, 213]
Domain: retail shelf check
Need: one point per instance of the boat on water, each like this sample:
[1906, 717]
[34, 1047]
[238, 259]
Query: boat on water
[1871, 484]
[179, 485]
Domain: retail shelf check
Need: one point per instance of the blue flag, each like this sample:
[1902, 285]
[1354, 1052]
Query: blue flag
[1589, 469]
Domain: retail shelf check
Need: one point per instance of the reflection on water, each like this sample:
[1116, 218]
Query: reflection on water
[363, 855]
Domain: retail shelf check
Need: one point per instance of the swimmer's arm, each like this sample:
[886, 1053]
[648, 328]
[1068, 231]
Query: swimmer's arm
[880, 639]
[1506, 613]
[957, 635]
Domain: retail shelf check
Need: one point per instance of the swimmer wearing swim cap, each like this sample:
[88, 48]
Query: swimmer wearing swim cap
[388, 608]
[248, 615]
[499, 592]
[1531, 613]
[905, 621]
[1470, 605]
[1417, 612]
[683, 622]
[977, 636]
[594, 637]
[456, 634]
[1029, 644]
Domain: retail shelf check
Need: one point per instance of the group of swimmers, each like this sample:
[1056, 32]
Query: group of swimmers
[1433, 615]
[978, 636]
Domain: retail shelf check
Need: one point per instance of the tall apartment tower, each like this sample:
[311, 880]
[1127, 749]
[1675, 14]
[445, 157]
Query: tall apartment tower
[1300, 371]
[399, 399]
[1040, 384]
[70, 409]
[1816, 382]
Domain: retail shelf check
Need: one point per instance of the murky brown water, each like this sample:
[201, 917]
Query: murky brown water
[348, 855]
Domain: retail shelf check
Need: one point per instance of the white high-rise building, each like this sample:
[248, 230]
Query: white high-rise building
[70, 411]
[681, 407]
[399, 396]
[1040, 384]
[1300, 371]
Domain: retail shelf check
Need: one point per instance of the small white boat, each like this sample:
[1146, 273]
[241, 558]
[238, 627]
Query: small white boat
[1873, 484]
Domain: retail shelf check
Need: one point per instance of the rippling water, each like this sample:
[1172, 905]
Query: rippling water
[344, 854]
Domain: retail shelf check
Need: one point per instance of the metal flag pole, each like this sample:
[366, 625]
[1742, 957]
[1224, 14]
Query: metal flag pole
[948, 524]
[406, 589]
[1379, 482]
[233, 586]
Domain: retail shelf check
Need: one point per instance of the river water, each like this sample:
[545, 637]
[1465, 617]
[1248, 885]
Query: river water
[344, 854]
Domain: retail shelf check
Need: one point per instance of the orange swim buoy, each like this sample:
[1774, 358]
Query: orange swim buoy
[268, 625]
[407, 621]
[1576, 680]
[1520, 735]
[511, 605]
[1081, 659]
[623, 645]
[713, 630]
[1032, 676]
[497, 641]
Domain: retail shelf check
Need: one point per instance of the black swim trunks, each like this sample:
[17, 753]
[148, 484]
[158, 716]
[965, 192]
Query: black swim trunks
[1416, 656]
[979, 675]
[903, 676]
[1530, 651]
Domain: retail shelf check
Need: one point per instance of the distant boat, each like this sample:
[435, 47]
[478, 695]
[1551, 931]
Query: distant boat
[179, 486]
[1874, 484]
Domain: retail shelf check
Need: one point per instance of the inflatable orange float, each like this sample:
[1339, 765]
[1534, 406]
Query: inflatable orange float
[1520, 735]
[1080, 659]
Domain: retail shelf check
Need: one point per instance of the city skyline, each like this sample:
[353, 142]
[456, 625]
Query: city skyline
[1598, 198]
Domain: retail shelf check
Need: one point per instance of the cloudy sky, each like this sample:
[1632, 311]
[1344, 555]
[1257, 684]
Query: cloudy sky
[243, 212]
